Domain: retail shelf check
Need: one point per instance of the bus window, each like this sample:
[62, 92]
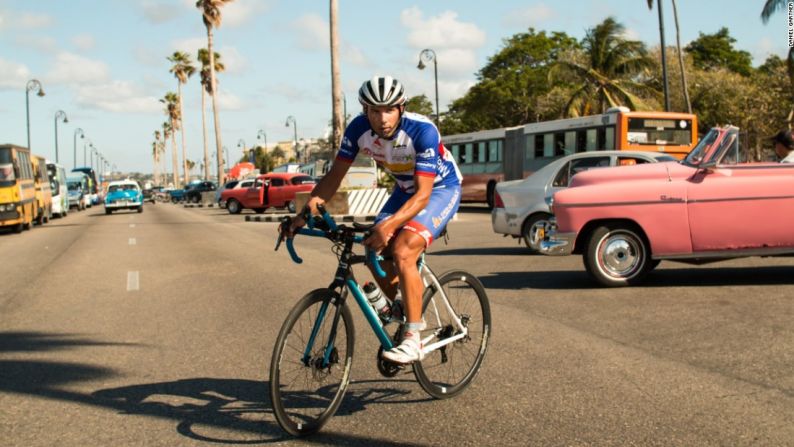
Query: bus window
[645, 131]
[606, 138]
[559, 144]
[456, 153]
[480, 158]
[592, 140]
[548, 145]
[570, 142]
[495, 150]
[469, 156]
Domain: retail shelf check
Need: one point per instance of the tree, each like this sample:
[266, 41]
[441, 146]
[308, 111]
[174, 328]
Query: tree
[419, 104]
[182, 70]
[171, 101]
[770, 7]
[713, 51]
[206, 87]
[606, 72]
[509, 86]
[336, 84]
[211, 15]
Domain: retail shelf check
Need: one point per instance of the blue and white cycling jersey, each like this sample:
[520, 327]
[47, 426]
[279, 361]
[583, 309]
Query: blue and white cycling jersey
[414, 149]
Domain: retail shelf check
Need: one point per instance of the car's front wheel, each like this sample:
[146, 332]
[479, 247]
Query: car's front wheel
[291, 206]
[531, 233]
[233, 207]
[617, 255]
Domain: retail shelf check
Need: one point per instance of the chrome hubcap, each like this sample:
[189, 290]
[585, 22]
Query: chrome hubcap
[621, 255]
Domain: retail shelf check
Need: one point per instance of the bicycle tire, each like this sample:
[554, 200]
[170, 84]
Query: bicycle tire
[436, 373]
[305, 396]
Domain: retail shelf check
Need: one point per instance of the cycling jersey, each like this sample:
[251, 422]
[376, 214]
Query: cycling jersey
[414, 149]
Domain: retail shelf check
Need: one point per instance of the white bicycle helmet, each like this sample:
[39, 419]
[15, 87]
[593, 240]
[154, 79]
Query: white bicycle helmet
[381, 91]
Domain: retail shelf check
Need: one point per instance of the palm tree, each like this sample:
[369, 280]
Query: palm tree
[156, 148]
[680, 54]
[211, 13]
[171, 101]
[182, 69]
[770, 7]
[336, 84]
[606, 72]
[204, 60]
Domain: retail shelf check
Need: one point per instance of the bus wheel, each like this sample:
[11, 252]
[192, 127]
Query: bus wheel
[19, 227]
[489, 194]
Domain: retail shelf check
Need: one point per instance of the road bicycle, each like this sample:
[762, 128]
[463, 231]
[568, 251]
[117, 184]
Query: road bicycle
[313, 356]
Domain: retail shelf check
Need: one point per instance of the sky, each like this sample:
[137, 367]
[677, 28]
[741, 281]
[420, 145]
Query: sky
[103, 62]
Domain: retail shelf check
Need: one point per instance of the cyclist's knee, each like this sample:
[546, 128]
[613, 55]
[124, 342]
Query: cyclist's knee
[406, 249]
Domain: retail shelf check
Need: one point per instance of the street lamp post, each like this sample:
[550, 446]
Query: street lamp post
[59, 115]
[241, 143]
[90, 144]
[291, 119]
[263, 134]
[33, 84]
[429, 55]
[82, 135]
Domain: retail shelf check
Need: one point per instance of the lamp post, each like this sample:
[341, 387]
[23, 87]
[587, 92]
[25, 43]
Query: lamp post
[291, 119]
[241, 143]
[82, 135]
[89, 143]
[263, 134]
[59, 115]
[228, 159]
[33, 84]
[429, 55]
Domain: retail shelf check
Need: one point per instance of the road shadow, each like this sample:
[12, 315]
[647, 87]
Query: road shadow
[481, 251]
[228, 411]
[665, 277]
[203, 405]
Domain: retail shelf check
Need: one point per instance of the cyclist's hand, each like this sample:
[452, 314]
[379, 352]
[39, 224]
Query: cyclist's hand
[379, 237]
[300, 219]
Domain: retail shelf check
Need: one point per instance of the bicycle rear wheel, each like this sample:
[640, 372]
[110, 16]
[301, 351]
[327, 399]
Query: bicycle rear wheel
[447, 371]
[304, 391]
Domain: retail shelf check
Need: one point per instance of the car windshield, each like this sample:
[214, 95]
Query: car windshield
[303, 180]
[117, 188]
[704, 145]
[73, 186]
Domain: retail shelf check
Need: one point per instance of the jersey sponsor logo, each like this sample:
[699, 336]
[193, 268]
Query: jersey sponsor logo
[425, 165]
[346, 142]
[427, 153]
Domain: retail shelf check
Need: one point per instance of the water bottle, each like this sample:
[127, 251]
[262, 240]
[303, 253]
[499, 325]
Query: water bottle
[378, 301]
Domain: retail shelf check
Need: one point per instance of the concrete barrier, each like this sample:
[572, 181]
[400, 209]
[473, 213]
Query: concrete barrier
[356, 202]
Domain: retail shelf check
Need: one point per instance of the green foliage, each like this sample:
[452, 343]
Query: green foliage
[510, 85]
[714, 51]
[421, 105]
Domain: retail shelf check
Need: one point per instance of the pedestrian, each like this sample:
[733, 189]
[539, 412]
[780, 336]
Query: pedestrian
[784, 146]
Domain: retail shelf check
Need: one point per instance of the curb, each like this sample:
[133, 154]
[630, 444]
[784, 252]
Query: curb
[338, 218]
[198, 205]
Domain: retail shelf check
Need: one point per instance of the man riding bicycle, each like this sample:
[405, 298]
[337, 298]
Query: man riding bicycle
[424, 199]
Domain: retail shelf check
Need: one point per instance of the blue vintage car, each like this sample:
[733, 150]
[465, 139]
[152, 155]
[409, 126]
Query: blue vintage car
[124, 194]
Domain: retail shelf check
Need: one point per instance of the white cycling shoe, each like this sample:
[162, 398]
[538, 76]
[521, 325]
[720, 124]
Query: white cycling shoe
[408, 351]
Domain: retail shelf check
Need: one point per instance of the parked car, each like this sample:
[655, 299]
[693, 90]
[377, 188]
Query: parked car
[148, 194]
[275, 189]
[712, 206]
[520, 206]
[123, 194]
[79, 191]
[232, 184]
[193, 193]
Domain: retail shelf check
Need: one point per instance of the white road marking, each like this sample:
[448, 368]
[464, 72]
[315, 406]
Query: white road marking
[132, 241]
[132, 281]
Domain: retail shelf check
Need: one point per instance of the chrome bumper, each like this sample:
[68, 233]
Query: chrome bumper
[557, 244]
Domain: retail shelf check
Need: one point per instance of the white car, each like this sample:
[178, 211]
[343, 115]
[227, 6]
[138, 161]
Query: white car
[233, 184]
[521, 206]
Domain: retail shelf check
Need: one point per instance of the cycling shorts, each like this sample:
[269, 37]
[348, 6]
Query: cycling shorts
[432, 220]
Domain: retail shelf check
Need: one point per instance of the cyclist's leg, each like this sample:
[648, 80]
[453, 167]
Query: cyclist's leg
[389, 283]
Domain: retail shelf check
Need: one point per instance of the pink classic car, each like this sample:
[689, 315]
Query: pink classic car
[709, 207]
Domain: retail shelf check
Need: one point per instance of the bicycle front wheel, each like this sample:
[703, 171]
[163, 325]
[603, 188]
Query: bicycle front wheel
[307, 378]
[448, 370]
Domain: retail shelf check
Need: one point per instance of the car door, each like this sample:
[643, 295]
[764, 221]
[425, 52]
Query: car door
[276, 192]
[252, 195]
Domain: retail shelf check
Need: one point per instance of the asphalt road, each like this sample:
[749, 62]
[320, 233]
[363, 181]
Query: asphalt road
[157, 329]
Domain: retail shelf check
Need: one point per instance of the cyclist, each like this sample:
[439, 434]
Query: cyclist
[424, 199]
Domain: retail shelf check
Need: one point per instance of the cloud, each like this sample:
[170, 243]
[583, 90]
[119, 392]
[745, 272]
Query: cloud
[240, 12]
[158, 11]
[442, 31]
[117, 96]
[84, 41]
[530, 16]
[13, 75]
[228, 101]
[70, 68]
[764, 48]
[313, 33]
[44, 44]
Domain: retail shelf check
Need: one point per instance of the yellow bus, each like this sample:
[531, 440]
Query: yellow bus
[17, 188]
[43, 192]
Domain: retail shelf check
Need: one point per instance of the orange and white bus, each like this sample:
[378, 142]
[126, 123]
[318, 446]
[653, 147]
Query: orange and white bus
[490, 156]
[17, 188]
